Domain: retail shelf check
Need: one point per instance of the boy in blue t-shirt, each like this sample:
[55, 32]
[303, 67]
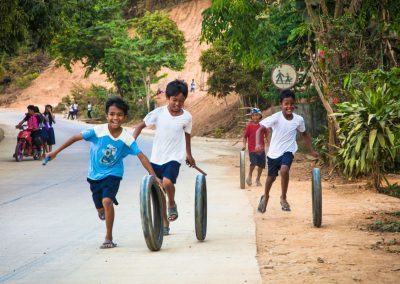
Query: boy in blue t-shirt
[110, 144]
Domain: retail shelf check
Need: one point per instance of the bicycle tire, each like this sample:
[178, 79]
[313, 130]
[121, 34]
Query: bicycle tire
[316, 197]
[200, 208]
[151, 209]
[242, 170]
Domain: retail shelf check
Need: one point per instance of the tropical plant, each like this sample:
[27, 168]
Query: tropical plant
[369, 133]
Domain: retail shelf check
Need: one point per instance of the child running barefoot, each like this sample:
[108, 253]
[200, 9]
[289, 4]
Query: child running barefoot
[171, 143]
[110, 144]
[257, 158]
[285, 125]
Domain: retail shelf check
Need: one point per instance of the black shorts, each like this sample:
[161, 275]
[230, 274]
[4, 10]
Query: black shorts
[102, 188]
[274, 165]
[257, 159]
[168, 170]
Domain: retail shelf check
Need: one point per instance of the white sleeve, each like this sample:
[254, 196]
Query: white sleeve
[269, 121]
[188, 125]
[151, 117]
[301, 127]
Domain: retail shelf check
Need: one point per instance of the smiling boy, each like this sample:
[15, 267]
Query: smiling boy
[171, 144]
[110, 144]
[283, 146]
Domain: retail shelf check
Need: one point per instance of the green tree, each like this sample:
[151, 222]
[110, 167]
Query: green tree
[227, 75]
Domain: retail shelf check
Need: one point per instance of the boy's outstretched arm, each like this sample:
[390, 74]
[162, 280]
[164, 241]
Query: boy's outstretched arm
[146, 164]
[307, 141]
[244, 142]
[138, 129]
[66, 144]
[189, 158]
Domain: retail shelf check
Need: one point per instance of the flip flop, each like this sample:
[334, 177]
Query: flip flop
[285, 205]
[108, 245]
[102, 216]
[261, 205]
[172, 213]
[166, 231]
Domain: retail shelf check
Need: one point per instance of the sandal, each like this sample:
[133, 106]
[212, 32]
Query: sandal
[262, 206]
[166, 231]
[108, 245]
[172, 213]
[248, 181]
[285, 205]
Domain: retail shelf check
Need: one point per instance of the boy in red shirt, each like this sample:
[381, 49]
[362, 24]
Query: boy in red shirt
[257, 158]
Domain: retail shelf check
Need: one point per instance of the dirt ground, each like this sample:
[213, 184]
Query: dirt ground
[291, 250]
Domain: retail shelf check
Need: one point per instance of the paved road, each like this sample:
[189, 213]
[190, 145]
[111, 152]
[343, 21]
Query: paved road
[50, 232]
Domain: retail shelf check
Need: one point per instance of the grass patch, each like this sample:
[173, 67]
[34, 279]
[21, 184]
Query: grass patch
[385, 226]
[392, 246]
[391, 190]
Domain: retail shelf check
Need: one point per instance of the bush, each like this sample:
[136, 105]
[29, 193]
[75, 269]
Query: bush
[369, 133]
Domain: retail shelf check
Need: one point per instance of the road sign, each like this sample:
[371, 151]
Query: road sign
[284, 76]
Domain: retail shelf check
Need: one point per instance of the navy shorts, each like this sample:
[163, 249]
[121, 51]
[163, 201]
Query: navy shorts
[102, 188]
[257, 159]
[168, 170]
[274, 165]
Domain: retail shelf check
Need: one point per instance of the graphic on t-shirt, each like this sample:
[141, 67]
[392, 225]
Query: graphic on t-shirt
[108, 155]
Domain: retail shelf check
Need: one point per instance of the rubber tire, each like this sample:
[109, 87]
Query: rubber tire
[316, 197]
[151, 216]
[200, 208]
[242, 170]
[19, 152]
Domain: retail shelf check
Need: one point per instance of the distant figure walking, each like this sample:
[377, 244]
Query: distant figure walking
[75, 106]
[50, 117]
[89, 110]
[192, 86]
[71, 111]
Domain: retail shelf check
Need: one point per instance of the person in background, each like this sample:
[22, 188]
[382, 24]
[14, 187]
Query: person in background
[192, 86]
[89, 109]
[50, 117]
[75, 109]
[71, 111]
[257, 158]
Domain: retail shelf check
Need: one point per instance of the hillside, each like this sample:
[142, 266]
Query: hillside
[55, 83]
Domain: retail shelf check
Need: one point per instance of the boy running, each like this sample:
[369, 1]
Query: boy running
[171, 143]
[285, 125]
[110, 144]
[257, 158]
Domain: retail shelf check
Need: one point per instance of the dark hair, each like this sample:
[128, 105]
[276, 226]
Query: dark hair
[36, 109]
[119, 103]
[176, 87]
[31, 107]
[286, 94]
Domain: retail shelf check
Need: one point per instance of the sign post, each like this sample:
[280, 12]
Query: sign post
[284, 76]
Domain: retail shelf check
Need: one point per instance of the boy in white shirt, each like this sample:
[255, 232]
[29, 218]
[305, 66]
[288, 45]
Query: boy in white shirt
[171, 145]
[283, 146]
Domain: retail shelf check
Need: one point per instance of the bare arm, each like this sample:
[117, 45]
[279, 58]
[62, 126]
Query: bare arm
[259, 134]
[66, 144]
[307, 141]
[138, 129]
[189, 158]
[146, 164]
[244, 143]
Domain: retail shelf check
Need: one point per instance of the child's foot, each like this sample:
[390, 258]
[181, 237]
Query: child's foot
[166, 231]
[108, 245]
[172, 213]
[258, 183]
[285, 205]
[262, 205]
[248, 181]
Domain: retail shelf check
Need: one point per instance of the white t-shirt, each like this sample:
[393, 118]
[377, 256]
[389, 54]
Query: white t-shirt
[169, 141]
[283, 133]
